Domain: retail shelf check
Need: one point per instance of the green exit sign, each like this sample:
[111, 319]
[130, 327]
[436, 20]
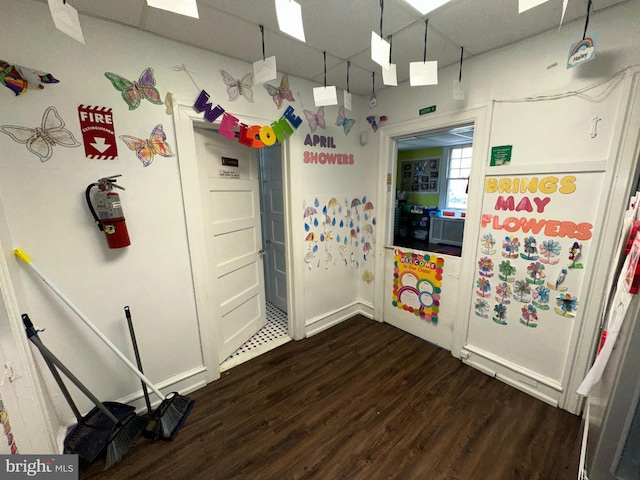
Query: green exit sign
[425, 110]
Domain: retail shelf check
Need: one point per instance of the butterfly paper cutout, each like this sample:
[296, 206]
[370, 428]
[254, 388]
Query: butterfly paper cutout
[134, 92]
[375, 122]
[344, 122]
[235, 88]
[147, 149]
[315, 119]
[281, 93]
[17, 78]
[40, 140]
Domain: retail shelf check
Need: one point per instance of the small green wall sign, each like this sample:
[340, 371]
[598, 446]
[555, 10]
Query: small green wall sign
[425, 110]
[501, 155]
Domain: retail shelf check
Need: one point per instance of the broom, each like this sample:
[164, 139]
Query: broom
[170, 416]
[111, 424]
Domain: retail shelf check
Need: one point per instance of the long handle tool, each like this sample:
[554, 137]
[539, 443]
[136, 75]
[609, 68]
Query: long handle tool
[110, 425]
[174, 408]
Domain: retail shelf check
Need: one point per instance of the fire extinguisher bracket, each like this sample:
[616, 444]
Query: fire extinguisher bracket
[107, 213]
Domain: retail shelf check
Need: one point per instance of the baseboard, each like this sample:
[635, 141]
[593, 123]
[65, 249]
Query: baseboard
[183, 383]
[532, 383]
[330, 319]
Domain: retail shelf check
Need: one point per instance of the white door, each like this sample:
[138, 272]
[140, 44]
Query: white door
[273, 226]
[229, 184]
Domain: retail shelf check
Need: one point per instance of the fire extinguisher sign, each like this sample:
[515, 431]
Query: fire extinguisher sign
[98, 134]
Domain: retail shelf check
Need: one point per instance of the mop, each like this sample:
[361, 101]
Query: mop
[173, 410]
[110, 425]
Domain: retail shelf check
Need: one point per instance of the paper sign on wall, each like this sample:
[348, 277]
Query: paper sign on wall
[98, 134]
[417, 282]
[501, 155]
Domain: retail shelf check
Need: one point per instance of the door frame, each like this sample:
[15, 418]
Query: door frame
[185, 119]
[387, 158]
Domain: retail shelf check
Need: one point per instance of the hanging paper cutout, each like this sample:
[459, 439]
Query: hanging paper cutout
[18, 78]
[65, 18]
[583, 51]
[133, 92]
[344, 122]
[147, 149]
[375, 122]
[281, 93]
[235, 88]
[40, 140]
[315, 119]
[524, 5]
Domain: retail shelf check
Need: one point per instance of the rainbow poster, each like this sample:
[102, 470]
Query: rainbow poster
[417, 281]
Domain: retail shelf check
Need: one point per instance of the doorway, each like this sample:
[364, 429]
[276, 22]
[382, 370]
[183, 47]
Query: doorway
[224, 226]
[432, 177]
[430, 301]
[275, 332]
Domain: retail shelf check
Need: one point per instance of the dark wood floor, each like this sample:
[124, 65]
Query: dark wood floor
[362, 400]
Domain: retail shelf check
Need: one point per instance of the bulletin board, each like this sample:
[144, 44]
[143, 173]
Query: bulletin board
[420, 176]
[534, 254]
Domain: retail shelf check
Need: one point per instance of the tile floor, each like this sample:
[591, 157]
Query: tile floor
[272, 335]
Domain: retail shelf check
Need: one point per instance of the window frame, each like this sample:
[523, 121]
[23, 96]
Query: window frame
[444, 186]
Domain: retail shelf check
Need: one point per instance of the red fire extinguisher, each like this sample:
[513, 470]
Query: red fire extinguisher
[108, 211]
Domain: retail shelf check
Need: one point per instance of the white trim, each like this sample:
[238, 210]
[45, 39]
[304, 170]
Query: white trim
[22, 394]
[329, 319]
[617, 185]
[387, 157]
[185, 118]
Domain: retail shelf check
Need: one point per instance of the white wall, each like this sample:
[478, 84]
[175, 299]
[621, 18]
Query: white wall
[546, 135]
[46, 214]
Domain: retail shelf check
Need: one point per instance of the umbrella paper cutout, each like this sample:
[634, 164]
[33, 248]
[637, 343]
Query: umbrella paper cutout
[333, 203]
[311, 237]
[309, 211]
[354, 204]
[366, 248]
[367, 208]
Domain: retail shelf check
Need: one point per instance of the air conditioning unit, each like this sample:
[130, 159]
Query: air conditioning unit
[446, 230]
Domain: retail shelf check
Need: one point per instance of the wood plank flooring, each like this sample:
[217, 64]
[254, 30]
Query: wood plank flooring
[362, 400]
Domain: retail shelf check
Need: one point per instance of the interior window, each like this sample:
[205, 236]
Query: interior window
[432, 181]
[457, 183]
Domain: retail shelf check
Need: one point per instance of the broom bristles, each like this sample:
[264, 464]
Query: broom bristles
[122, 439]
[173, 413]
